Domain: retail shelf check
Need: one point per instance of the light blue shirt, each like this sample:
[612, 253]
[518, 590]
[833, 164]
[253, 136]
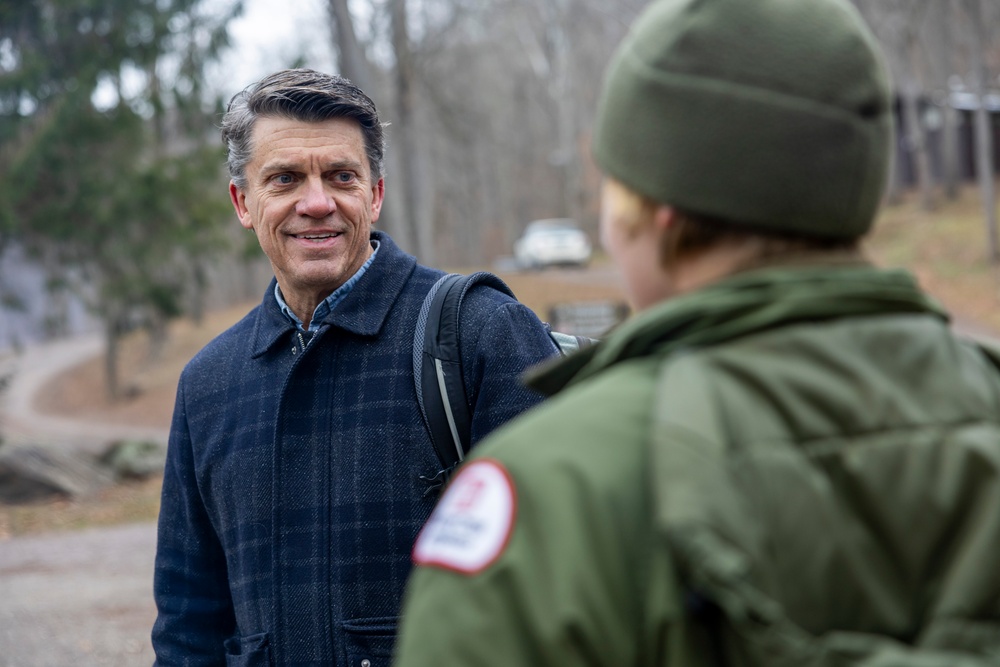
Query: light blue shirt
[330, 302]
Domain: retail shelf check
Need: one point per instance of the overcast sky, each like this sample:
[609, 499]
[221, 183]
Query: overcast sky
[272, 34]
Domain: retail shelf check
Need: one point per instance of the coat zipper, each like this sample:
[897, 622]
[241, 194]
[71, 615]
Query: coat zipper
[302, 343]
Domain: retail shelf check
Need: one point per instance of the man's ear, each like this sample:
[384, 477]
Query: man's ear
[378, 196]
[239, 199]
[665, 217]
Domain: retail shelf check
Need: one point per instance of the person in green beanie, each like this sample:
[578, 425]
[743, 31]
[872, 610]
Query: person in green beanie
[786, 456]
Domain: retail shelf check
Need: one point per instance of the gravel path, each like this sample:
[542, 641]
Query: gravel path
[28, 373]
[81, 598]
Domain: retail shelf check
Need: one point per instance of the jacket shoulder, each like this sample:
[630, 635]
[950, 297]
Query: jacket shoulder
[225, 348]
[818, 447]
[597, 420]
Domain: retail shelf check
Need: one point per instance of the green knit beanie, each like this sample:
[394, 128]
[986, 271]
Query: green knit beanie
[770, 113]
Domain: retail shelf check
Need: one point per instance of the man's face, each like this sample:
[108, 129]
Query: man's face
[632, 239]
[311, 202]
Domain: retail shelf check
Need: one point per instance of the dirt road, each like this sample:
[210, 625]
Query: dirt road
[29, 371]
[81, 599]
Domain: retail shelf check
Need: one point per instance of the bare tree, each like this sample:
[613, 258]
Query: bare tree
[901, 27]
[949, 80]
[355, 65]
[909, 24]
[410, 154]
[350, 54]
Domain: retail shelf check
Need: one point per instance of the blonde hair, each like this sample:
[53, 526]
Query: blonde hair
[694, 234]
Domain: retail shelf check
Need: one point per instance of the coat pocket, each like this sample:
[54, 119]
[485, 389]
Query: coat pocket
[369, 641]
[249, 651]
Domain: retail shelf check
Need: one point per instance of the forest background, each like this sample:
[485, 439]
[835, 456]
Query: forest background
[112, 184]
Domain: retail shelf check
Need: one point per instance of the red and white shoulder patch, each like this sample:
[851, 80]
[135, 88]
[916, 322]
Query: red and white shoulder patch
[471, 525]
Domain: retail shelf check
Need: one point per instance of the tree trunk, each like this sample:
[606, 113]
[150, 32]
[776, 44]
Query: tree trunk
[112, 339]
[198, 294]
[916, 134]
[894, 190]
[916, 143]
[410, 154]
[158, 331]
[949, 151]
[354, 65]
[950, 126]
[561, 90]
[983, 131]
[351, 57]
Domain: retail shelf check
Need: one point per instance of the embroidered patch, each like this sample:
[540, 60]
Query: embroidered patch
[471, 525]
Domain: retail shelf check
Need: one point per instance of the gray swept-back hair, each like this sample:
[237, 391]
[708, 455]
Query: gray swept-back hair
[299, 94]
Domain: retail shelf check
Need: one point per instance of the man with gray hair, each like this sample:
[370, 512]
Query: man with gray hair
[299, 466]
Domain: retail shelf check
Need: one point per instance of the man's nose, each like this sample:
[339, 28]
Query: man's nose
[315, 202]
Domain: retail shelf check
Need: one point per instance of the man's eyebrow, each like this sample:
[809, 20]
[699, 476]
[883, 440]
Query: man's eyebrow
[278, 167]
[343, 164]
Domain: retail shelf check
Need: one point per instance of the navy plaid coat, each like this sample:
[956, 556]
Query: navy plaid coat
[292, 492]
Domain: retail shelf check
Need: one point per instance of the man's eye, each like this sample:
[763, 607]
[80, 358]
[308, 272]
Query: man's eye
[344, 177]
[283, 179]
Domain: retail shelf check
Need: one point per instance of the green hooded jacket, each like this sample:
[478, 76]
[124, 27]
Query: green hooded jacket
[794, 466]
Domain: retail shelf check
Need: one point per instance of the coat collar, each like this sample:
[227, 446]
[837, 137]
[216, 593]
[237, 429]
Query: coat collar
[741, 305]
[362, 312]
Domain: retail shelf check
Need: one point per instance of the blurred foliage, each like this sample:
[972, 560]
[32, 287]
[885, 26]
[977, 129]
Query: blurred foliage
[110, 166]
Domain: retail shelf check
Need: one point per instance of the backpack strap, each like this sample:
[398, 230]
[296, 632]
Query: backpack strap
[437, 365]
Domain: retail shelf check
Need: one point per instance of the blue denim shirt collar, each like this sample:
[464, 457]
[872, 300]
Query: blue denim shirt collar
[330, 302]
[363, 312]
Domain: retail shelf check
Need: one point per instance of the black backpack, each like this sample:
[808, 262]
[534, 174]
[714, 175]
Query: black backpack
[437, 365]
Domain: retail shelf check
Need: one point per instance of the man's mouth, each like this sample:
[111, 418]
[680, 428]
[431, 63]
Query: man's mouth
[316, 237]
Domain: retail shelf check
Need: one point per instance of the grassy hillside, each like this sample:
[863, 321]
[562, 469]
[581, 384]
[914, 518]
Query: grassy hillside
[948, 251]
